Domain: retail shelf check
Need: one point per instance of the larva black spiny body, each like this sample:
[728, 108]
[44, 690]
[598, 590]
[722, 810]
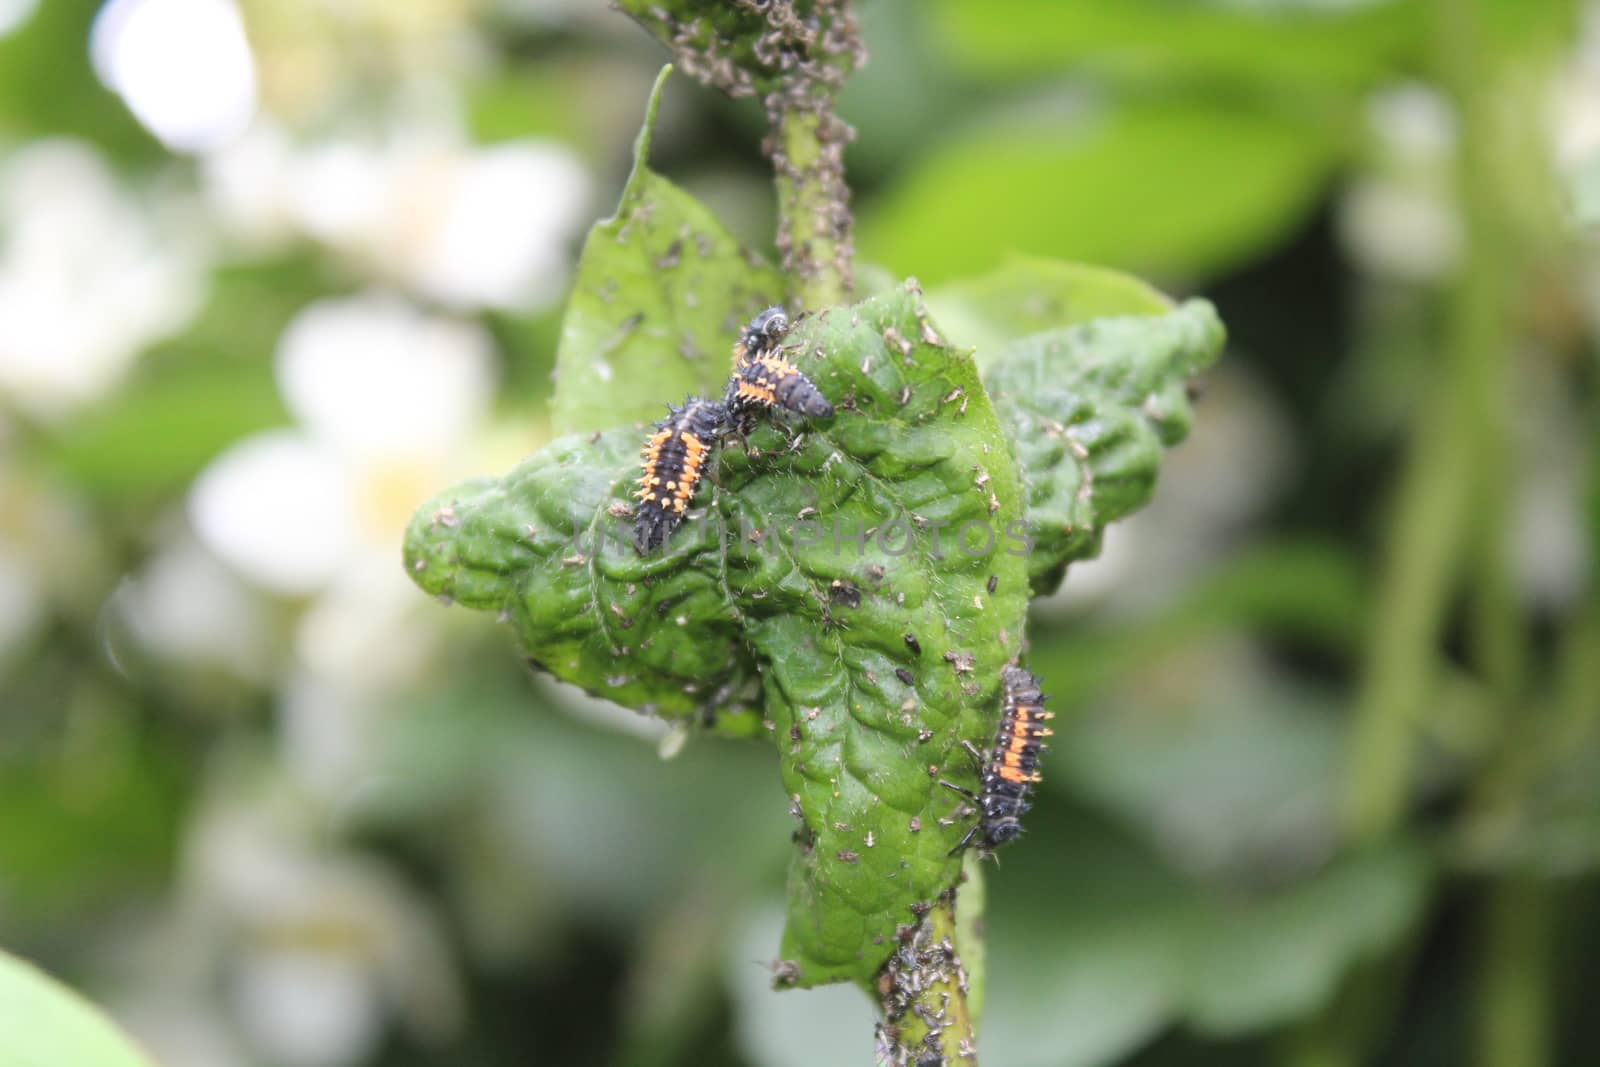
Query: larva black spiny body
[1010, 770]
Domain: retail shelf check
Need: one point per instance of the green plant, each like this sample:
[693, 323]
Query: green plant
[830, 597]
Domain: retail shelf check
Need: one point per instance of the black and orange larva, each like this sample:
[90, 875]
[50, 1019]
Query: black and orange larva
[674, 460]
[1012, 766]
[763, 378]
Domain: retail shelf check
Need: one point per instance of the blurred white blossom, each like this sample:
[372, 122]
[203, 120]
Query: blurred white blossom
[385, 397]
[89, 276]
[1398, 218]
[21, 600]
[13, 13]
[391, 404]
[187, 607]
[1575, 98]
[322, 949]
[469, 226]
[183, 67]
[318, 57]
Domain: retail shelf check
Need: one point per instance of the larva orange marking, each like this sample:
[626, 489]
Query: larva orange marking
[673, 461]
[1012, 766]
[762, 379]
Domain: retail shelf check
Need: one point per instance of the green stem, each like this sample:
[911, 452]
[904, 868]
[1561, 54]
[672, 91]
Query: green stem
[1514, 1015]
[1458, 474]
[1421, 555]
[922, 994]
[814, 222]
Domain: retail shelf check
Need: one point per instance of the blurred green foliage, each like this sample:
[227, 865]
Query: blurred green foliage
[1188, 891]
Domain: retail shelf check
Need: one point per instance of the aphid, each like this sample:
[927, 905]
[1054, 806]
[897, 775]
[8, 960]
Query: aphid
[763, 379]
[674, 460]
[1012, 767]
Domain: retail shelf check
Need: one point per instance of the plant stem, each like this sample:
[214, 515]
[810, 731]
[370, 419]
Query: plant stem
[814, 220]
[1514, 1000]
[1421, 555]
[922, 993]
[1457, 475]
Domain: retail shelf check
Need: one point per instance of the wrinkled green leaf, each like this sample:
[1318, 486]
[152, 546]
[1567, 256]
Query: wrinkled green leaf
[661, 291]
[525, 546]
[1180, 186]
[1018, 38]
[1088, 410]
[1129, 947]
[912, 455]
[1029, 294]
[45, 1024]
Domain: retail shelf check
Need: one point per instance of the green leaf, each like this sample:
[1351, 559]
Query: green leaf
[661, 291]
[747, 593]
[1030, 294]
[45, 1024]
[199, 412]
[1129, 947]
[543, 547]
[1284, 955]
[1171, 187]
[1235, 781]
[1087, 411]
[1021, 38]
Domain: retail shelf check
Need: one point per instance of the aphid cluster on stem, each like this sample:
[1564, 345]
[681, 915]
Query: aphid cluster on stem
[675, 456]
[1007, 775]
[763, 378]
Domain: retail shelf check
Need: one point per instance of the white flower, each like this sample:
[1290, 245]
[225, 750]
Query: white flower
[390, 404]
[305, 49]
[21, 599]
[86, 278]
[1575, 99]
[386, 397]
[277, 507]
[322, 946]
[1399, 219]
[13, 13]
[183, 67]
[188, 607]
[469, 226]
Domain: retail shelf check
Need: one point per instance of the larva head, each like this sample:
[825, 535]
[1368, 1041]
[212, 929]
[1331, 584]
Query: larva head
[765, 330]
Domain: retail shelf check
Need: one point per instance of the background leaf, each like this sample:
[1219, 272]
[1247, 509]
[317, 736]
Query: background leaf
[1130, 947]
[1031, 294]
[1136, 185]
[1276, 42]
[45, 1024]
